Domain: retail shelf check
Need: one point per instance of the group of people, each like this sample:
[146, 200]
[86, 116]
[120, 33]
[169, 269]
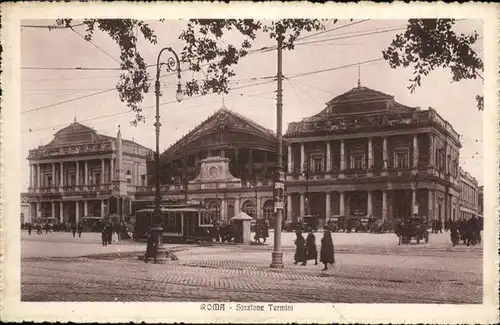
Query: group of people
[305, 249]
[467, 230]
[222, 232]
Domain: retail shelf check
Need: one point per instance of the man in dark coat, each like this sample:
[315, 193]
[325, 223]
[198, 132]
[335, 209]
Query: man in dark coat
[327, 253]
[454, 234]
[104, 236]
[80, 230]
[300, 249]
[312, 252]
[472, 231]
[29, 229]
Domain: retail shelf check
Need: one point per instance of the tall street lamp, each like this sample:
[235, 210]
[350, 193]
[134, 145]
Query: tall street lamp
[171, 64]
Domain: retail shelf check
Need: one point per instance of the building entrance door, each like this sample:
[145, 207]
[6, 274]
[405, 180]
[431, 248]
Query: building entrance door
[189, 227]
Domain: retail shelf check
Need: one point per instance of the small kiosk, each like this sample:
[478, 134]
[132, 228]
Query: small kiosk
[242, 234]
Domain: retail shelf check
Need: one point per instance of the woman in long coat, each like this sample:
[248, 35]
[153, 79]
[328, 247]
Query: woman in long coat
[300, 249]
[327, 254]
[312, 252]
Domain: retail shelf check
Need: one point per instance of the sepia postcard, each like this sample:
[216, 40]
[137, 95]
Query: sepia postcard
[249, 162]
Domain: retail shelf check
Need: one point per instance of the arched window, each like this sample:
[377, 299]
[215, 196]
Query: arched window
[214, 208]
[269, 210]
[249, 208]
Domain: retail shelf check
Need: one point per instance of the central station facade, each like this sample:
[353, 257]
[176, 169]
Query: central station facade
[364, 154]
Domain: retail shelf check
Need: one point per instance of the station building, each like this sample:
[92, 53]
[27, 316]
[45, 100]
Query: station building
[363, 154]
[469, 196]
[83, 174]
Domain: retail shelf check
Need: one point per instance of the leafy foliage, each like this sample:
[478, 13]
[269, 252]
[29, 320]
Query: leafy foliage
[134, 79]
[203, 38]
[428, 44]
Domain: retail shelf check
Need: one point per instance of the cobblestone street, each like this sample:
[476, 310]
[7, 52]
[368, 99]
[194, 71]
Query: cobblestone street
[370, 269]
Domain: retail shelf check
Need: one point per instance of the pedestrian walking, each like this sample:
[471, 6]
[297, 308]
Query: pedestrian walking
[29, 229]
[104, 237]
[300, 249]
[73, 230]
[327, 253]
[80, 230]
[312, 252]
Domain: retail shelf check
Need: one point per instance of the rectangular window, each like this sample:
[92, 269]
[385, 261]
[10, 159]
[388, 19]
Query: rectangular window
[97, 179]
[401, 159]
[357, 161]
[72, 180]
[317, 165]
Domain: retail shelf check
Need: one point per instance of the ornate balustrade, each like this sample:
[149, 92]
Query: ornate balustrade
[70, 150]
[332, 125]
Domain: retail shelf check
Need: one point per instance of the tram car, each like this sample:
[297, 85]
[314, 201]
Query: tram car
[182, 223]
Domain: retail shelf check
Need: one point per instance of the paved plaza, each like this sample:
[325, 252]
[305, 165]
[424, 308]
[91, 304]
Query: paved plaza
[370, 268]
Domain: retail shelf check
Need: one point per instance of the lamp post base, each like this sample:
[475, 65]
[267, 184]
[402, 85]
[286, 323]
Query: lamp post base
[277, 260]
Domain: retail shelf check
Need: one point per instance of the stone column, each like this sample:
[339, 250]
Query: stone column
[53, 209]
[341, 204]
[302, 157]
[223, 209]
[61, 174]
[432, 151]
[327, 206]
[85, 208]
[328, 157]
[77, 211]
[302, 207]
[102, 208]
[236, 205]
[342, 155]
[102, 171]
[86, 174]
[111, 170]
[77, 174]
[384, 152]
[54, 184]
[31, 176]
[415, 150]
[38, 176]
[430, 204]
[369, 205]
[384, 205]
[61, 211]
[290, 167]
[289, 206]
[370, 153]
[38, 210]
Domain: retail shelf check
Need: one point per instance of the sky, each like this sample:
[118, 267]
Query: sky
[55, 97]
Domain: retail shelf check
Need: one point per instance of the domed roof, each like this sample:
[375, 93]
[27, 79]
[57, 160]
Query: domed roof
[359, 94]
[360, 100]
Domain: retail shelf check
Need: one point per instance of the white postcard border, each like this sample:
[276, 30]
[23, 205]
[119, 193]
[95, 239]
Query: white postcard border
[14, 310]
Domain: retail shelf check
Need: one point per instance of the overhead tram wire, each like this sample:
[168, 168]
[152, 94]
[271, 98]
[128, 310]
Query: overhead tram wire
[333, 29]
[51, 27]
[164, 103]
[250, 52]
[96, 46]
[198, 96]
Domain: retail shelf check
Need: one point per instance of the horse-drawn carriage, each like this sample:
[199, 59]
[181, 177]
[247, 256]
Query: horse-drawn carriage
[415, 227]
[467, 232]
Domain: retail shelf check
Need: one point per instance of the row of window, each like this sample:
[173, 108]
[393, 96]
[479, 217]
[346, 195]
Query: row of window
[469, 193]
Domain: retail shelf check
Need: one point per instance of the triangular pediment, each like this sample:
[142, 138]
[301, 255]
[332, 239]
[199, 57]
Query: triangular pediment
[230, 122]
